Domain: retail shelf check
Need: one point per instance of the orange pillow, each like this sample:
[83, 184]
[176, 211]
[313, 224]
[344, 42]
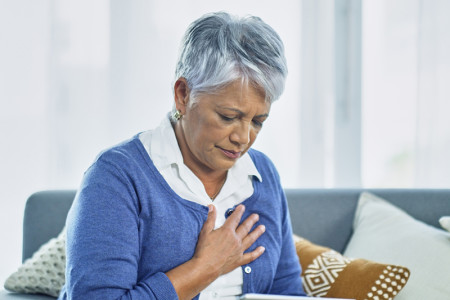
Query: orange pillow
[326, 273]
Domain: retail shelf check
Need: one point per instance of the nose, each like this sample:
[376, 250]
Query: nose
[241, 134]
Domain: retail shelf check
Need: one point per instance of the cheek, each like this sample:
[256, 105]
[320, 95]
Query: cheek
[253, 136]
[199, 125]
[216, 130]
[208, 133]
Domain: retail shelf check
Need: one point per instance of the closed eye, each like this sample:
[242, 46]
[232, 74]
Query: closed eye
[225, 118]
[257, 123]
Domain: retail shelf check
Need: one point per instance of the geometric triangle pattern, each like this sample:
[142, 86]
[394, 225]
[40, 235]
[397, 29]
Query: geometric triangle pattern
[323, 272]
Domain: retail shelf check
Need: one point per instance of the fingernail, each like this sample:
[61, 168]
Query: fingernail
[211, 207]
[263, 228]
[262, 248]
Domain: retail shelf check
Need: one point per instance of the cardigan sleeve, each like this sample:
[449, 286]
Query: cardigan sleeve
[287, 279]
[103, 240]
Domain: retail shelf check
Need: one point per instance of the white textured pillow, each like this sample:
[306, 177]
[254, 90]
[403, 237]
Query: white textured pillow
[445, 222]
[44, 272]
[385, 233]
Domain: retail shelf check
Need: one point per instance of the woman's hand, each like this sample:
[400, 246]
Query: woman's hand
[218, 252]
[223, 249]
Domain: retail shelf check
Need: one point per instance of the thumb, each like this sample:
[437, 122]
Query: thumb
[210, 222]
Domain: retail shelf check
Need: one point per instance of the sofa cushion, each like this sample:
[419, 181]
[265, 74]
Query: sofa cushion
[385, 233]
[327, 273]
[44, 272]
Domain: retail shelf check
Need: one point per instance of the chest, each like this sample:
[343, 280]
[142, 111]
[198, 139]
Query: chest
[169, 230]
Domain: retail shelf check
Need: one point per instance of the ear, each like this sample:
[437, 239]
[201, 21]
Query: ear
[181, 94]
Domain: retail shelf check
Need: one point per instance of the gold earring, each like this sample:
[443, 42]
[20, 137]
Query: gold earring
[177, 115]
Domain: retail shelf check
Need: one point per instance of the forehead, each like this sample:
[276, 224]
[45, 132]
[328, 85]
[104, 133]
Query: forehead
[241, 96]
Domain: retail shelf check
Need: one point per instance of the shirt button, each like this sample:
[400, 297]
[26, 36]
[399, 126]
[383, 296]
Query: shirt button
[229, 212]
[248, 270]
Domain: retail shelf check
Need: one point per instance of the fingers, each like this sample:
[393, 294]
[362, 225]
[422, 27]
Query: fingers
[210, 222]
[234, 219]
[243, 230]
[248, 240]
[251, 256]
[229, 241]
[247, 225]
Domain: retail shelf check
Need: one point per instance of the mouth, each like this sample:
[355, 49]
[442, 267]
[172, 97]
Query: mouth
[230, 153]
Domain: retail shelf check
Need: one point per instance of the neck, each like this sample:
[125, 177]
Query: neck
[213, 194]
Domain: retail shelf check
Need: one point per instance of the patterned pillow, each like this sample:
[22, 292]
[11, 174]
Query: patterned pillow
[44, 272]
[326, 273]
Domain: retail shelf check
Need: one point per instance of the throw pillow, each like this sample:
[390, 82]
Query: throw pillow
[44, 272]
[385, 233]
[445, 222]
[326, 273]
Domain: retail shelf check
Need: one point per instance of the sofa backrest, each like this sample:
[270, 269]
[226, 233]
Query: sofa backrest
[324, 216]
[44, 218]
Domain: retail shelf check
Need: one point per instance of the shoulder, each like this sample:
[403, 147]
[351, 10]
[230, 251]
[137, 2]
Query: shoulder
[263, 163]
[121, 170]
[123, 153]
[259, 157]
[126, 159]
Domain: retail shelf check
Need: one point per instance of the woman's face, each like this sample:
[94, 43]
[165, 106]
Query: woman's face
[217, 129]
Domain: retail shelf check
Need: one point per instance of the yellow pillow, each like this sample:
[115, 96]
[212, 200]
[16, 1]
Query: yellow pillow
[326, 273]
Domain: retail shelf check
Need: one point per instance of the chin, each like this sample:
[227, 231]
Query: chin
[224, 166]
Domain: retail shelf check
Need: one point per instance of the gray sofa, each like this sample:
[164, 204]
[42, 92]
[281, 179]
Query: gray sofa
[324, 216]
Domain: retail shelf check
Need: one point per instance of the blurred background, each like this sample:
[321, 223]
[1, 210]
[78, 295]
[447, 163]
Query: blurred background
[366, 101]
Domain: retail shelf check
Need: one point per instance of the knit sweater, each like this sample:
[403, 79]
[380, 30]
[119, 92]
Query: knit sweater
[127, 227]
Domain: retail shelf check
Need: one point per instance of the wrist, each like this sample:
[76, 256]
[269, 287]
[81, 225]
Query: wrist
[205, 269]
[190, 278]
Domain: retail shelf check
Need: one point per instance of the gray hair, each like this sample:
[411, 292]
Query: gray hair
[219, 48]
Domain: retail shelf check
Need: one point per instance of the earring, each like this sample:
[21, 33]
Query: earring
[177, 115]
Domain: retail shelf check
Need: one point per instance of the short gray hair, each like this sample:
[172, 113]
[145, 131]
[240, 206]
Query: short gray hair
[219, 48]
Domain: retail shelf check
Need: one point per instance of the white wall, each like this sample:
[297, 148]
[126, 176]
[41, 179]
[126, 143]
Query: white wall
[24, 154]
[79, 76]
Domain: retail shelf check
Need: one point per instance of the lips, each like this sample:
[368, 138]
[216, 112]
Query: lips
[230, 153]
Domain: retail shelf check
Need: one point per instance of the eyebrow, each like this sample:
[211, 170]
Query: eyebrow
[241, 113]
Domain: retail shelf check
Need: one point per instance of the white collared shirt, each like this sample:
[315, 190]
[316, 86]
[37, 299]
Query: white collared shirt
[162, 147]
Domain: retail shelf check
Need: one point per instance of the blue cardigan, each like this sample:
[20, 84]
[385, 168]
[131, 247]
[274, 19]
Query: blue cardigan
[127, 227]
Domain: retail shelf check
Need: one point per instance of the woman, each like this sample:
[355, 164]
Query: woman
[188, 210]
